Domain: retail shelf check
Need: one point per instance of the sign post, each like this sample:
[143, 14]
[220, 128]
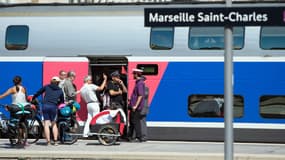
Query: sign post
[228, 91]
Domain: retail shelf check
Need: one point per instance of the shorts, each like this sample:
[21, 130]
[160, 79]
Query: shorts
[50, 112]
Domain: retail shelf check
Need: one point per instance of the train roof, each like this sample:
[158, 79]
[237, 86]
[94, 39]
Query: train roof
[60, 9]
[113, 30]
[130, 2]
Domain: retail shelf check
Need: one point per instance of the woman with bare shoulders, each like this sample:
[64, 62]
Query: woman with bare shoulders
[18, 92]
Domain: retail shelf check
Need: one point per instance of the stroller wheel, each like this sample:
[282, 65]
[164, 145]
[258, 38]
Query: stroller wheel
[108, 135]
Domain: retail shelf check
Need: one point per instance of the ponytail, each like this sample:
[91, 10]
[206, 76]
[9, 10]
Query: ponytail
[17, 80]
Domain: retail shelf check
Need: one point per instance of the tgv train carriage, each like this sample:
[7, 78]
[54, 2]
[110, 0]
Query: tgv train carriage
[184, 66]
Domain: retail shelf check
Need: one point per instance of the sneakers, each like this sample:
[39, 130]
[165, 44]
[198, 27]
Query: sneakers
[85, 136]
[144, 139]
[55, 143]
[48, 143]
[136, 140]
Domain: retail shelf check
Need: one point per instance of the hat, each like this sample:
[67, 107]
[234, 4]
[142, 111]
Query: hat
[55, 78]
[115, 74]
[137, 70]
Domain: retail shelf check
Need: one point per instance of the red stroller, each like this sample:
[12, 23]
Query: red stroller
[108, 126]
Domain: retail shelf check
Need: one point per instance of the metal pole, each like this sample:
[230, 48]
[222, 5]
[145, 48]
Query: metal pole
[228, 90]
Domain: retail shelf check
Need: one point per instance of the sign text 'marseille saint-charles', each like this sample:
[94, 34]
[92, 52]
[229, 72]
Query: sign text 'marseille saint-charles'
[249, 16]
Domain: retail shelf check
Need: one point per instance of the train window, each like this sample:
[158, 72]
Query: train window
[272, 38]
[149, 69]
[161, 38]
[206, 38]
[212, 106]
[17, 37]
[272, 106]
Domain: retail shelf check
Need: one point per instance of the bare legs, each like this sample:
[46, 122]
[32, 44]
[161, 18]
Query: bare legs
[47, 124]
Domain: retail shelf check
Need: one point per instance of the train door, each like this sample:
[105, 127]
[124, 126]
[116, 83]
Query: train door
[107, 65]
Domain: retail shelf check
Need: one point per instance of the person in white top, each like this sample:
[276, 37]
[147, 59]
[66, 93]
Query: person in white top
[88, 93]
[62, 76]
[18, 92]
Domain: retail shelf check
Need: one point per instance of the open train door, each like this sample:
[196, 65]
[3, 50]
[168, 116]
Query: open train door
[80, 65]
[108, 64]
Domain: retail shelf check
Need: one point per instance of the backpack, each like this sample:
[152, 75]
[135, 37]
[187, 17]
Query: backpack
[145, 109]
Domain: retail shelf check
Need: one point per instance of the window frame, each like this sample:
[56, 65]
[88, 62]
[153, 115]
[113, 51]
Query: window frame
[260, 38]
[210, 97]
[242, 46]
[155, 66]
[172, 40]
[17, 46]
[269, 116]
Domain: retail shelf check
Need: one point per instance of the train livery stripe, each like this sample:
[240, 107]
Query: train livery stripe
[211, 125]
[206, 59]
[152, 81]
[21, 59]
[216, 125]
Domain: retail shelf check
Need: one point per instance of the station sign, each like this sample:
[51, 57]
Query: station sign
[221, 16]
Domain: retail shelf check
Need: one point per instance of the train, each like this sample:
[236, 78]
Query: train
[183, 66]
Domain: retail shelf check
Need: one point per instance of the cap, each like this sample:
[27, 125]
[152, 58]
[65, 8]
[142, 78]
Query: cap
[137, 70]
[55, 78]
[115, 74]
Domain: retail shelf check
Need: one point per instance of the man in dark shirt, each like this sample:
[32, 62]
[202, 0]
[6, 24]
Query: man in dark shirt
[116, 88]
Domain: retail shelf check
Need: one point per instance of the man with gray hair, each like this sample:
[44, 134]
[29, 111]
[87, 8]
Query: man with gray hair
[69, 88]
[88, 93]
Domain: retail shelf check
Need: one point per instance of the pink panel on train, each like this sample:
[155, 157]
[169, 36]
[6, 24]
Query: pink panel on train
[152, 80]
[52, 68]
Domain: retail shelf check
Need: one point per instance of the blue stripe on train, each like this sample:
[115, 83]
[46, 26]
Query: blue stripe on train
[183, 79]
[31, 73]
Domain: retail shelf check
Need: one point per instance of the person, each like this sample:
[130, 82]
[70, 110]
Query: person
[144, 112]
[62, 77]
[105, 98]
[52, 98]
[19, 95]
[69, 88]
[18, 92]
[136, 104]
[88, 93]
[116, 88]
